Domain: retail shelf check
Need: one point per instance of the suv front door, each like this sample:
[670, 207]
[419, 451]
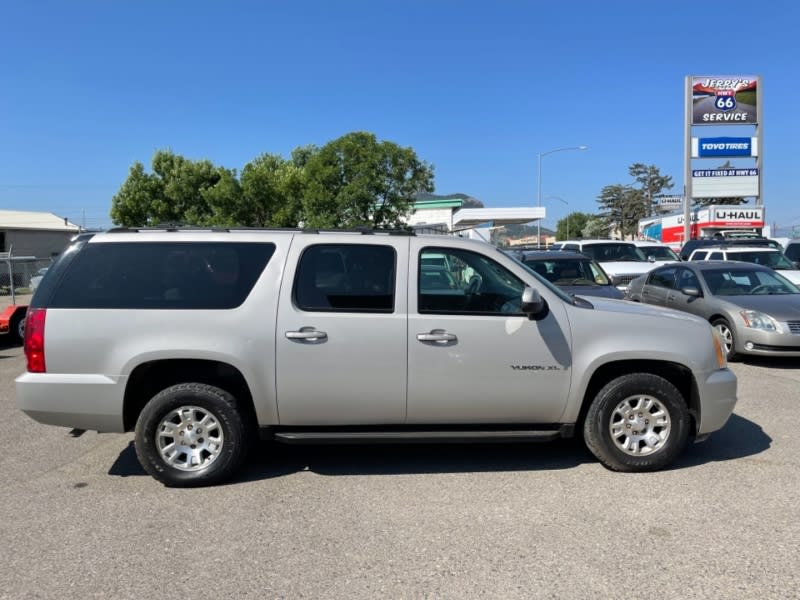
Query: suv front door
[472, 357]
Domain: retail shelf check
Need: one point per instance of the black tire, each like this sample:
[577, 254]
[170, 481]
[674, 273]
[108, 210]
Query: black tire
[218, 450]
[16, 328]
[637, 422]
[727, 337]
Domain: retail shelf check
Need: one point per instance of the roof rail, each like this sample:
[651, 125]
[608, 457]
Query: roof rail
[220, 229]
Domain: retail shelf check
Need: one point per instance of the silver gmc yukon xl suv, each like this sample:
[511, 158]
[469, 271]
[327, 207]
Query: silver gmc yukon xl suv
[200, 340]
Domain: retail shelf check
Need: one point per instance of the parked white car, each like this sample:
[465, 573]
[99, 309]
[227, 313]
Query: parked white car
[37, 279]
[769, 257]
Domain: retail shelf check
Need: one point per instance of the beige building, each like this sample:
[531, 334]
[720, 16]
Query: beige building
[39, 234]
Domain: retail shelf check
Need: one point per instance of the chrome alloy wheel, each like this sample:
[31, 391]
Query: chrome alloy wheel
[725, 335]
[189, 438]
[639, 425]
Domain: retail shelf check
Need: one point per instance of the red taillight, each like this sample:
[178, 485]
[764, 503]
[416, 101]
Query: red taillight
[34, 339]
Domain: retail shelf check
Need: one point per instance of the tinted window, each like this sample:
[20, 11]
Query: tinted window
[161, 275]
[472, 284]
[716, 256]
[793, 251]
[346, 278]
[699, 255]
[664, 278]
[687, 278]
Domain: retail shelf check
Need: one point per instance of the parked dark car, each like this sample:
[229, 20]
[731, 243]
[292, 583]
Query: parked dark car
[574, 272]
[755, 309]
[693, 245]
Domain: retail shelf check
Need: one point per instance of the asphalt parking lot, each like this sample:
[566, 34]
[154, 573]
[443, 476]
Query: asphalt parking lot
[80, 519]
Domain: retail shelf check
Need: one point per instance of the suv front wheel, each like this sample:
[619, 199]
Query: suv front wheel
[637, 422]
[190, 435]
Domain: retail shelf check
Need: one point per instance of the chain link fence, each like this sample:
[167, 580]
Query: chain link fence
[20, 274]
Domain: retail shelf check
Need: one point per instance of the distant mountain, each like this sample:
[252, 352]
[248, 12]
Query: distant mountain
[469, 201]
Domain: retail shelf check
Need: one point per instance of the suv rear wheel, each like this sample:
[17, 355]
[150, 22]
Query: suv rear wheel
[637, 422]
[191, 434]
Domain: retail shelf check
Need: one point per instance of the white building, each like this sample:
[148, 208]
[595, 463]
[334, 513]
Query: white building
[446, 214]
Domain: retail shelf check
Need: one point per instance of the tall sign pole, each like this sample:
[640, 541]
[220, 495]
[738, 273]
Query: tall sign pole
[719, 101]
[687, 161]
[760, 138]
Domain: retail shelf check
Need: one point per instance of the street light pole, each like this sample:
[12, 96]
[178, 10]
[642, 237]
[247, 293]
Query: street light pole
[539, 183]
[567, 204]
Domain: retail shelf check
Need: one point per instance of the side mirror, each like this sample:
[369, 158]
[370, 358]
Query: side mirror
[532, 303]
[691, 291]
[651, 258]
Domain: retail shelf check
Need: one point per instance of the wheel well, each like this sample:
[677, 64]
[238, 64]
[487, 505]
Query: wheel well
[149, 378]
[713, 318]
[678, 375]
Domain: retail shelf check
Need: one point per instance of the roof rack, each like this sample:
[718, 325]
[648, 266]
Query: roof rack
[359, 230]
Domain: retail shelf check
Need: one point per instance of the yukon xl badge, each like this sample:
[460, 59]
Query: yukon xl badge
[536, 367]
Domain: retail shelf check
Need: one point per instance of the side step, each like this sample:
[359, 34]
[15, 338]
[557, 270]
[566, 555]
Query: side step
[465, 436]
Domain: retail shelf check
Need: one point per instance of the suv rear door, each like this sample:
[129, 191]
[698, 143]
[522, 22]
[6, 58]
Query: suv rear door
[341, 331]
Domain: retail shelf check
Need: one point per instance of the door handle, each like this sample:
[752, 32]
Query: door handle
[438, 336]
[311, 335]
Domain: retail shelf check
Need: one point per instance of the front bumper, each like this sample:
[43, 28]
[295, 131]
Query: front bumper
[717, 401]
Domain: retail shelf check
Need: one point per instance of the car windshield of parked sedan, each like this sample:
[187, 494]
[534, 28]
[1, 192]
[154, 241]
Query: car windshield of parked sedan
[747, 282]
[773, 260]
[613, 252]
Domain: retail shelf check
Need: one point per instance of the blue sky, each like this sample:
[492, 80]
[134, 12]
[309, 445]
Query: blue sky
[478, 89]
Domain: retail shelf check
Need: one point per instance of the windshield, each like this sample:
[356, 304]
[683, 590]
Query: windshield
[773, 260]
[577, 271]
[659, 252]
[553, 288]
[614, 252]
[747, 282]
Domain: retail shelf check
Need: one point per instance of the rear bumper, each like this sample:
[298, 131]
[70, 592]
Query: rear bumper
[717, 401]
[77, 401]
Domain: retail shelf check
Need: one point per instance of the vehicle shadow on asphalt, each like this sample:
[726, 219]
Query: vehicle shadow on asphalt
[739, 438]
[772, 362]
[270, 459]
[275, 460]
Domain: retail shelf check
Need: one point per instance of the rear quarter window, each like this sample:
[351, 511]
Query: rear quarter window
[161, 275]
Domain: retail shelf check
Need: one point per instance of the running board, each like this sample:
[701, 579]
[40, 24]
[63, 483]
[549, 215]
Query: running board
[413, 437]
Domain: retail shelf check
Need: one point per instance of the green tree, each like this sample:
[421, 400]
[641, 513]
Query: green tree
[622, 206]
[651, 184]
[272, 192]
[132, 205]
[595, 228]
[571, 226]
[357, 180]
[177, 191]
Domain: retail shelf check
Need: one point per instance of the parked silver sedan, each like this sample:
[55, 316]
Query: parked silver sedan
[755, 310]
